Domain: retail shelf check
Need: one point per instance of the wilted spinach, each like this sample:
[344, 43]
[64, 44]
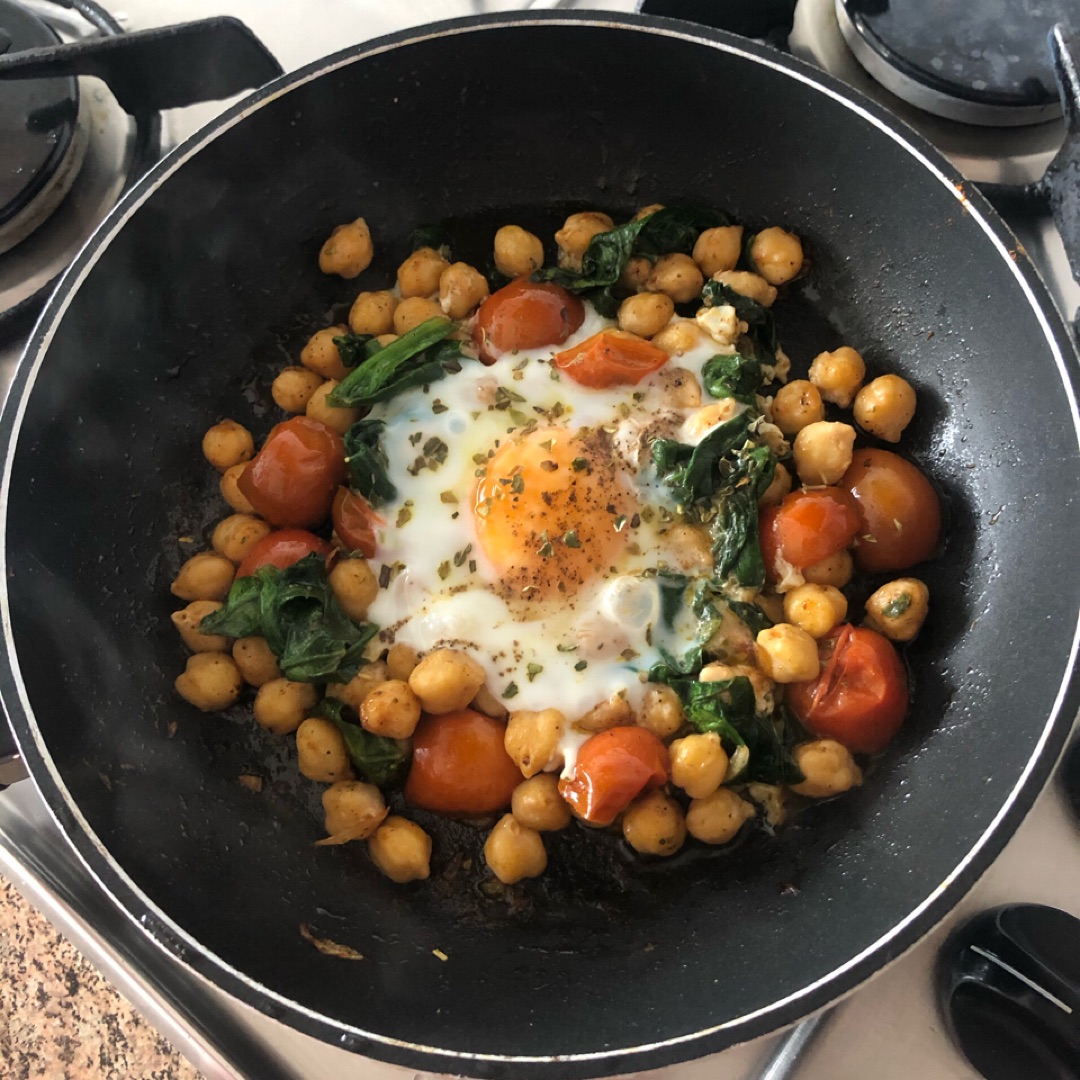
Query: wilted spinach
[379, 760]
[761, 330]
[355, 348]
[736, 544]
[733, 376]
[693, 472]
[368, 463]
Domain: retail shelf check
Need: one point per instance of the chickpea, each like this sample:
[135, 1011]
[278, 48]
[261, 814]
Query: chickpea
[817, 609]
[391, 709]
[227, 443]
[532, 740]
[461, 289]
[779, 486]
[419, 274]
[386, 339]
[635, 273]
[679, 387]
[699, 764]
[709, 416]
[348, 251]
[677, 276]
[237, 534]
[336, 418]
[661, 711]
[747, 284]
[187, 622]
[647, 211]
[359, 686]
[576, 234]
[787, 654]
[537, 804]
[487, 703]
[513, 851]
[823, 452]
[206, 576]
[445, 680]
[373, 313]
[718, 817]
[401, 850]
[885, 407]
[837, 570]
[256, 662]
[321, 355]
[230, 490]
[679, 337]
[280, 704]
[827, 767]
[354, 585]
[210, 681]
[718, 249]
[353, 809]
[898, 609]
[321, 751]
[654, 824]
[796, 406]
[646, 314]
[401, 659]
[293, 387]
[517, 251]
[838, 375]
[608, 714]
[778, 255]
[410, 313]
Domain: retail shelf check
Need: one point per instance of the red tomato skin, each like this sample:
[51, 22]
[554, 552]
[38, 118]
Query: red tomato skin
[808, 526]
[899, 508]
[525, 315]
[611, 359]
[291, 481]
[460, 767]
[860, 698]
[281, 549]
[355, 521]
[612, 769]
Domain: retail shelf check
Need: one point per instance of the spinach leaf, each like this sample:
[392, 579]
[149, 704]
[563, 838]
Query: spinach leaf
[417, 358]
[672, 590]
[736, 544]
[296, 612]
[676, 229]
[379, 760]
[761, 330]
[693, 472]
[752, 615]
[603, 262]
[355, 348]
[733, 376]
[367, 462]
[724, 707]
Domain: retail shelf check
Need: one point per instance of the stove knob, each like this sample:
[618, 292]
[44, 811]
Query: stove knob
[1009, 987]
[1070, 776]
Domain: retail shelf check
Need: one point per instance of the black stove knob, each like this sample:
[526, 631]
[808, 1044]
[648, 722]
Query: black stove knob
[1070, 776]
[1009, 986]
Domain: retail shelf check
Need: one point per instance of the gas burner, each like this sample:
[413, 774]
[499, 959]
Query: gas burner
[69, 153]
[985, 63]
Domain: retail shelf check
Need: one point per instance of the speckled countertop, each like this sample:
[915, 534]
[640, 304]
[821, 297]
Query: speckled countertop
[59, 1019]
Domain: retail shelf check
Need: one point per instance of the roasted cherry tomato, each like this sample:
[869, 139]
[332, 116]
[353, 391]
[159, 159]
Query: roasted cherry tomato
[459, 765]
[861, 696]
[808, 526]
[611, 358]
[526, 315]
[291, 481]
[900, 510]
[611, 770]
[355, 521]
[282, 549]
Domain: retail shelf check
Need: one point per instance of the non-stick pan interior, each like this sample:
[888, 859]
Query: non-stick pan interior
[211, 286]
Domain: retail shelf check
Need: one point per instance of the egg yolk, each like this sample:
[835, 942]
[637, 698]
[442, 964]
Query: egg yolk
[552, 511]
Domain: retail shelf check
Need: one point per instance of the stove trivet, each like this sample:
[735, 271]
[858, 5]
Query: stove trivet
[980, 63]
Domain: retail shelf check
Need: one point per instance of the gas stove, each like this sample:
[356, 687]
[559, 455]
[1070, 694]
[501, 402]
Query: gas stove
[1005, 130]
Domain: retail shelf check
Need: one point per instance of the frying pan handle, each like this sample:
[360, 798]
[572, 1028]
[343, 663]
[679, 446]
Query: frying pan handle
[165, 68]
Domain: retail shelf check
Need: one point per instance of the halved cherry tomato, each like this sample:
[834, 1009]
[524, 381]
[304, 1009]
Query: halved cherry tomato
[861, 696]
[611, 770]
[291, 481]
[808, 526]
[611, 358]
[459, 765]
[900, 510]
[525, 315]
[281, 549]
[355, 521]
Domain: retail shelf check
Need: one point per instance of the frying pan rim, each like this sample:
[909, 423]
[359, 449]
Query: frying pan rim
[187, 950]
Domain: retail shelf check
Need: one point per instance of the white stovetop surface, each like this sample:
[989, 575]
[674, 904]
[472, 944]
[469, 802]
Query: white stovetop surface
[889, 1028]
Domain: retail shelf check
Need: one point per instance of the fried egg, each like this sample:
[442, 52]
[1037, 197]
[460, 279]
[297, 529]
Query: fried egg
[529, 526]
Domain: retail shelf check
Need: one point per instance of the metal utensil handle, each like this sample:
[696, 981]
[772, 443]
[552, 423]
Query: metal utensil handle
[786, 1059]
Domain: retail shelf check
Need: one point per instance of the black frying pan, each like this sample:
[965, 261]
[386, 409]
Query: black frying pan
[202, 285]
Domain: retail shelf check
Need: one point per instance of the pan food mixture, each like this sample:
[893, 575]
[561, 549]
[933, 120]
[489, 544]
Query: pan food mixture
[593, 553]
